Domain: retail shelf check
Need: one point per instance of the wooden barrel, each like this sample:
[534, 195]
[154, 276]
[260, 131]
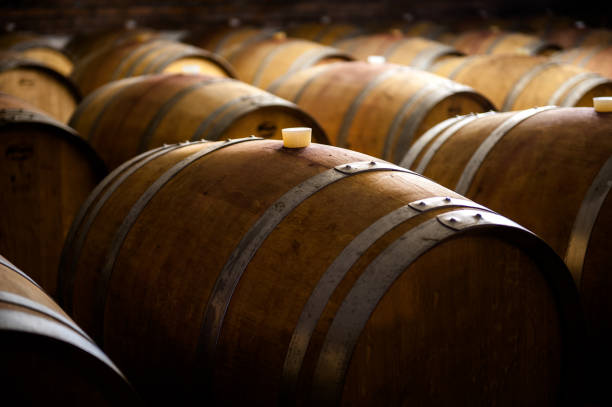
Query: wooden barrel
[46, 358]
[157, 56]
[323, 33]
[221, 40]
[417, 52]
[493, 42]
[514, 82]
[261, 63]
[128, 117]
[82, 44]
[38, 84]
[579, 36]
[414, 28]
[378, 109]
[38, 48]
[338, 279]
[549, 169]
[596, 58]
[46, 172]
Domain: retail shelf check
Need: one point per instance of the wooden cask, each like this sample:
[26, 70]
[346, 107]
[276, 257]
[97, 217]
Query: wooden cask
[579, 36]
[514, 82]
[549, 169]
[46, 172]
[323, 33]
[595, 58]
[156, 56]
[127, 117]
[221, 40]
[263, 62]
[414, 28]
[82, 44]
[378, 109]
[39, 85]
[38, 48]
[337, 279]
[46, 358]
[417, 52]
[495, 42]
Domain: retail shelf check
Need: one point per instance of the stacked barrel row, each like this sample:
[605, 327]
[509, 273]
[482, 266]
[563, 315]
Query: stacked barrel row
[209, 261]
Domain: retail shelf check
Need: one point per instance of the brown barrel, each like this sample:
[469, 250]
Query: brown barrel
[416, 52]
[514, 82]
[261, 63]
[414, 28]
[595, 58]
[38, 48]
[156, 56]
[128, 117]
[46, 358]
[323, 33]
[579, 36]
[46, 172]
[378, 109]
[220, 40]
[549, 169]
[82, 44]
[316, 276]
[39, 85]
[492, 42]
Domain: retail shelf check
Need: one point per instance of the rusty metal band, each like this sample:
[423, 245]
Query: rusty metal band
[168, 105]
[335, 273]
[594, 51]
[110, 102]
[261, 36]
[359, 304]
[585, 220]
[522, 83]
[20, 301]
[267, 59]
[12, 267]
[429, 56]
[248, 105]
[466, 61]
[242, 254]
[555, 99]
[19, 321]
[423, 108]
[574, 96]
[465, 181]
[82, 224]
[352, 110]
[496, 41]
[401, 117]
[131, 61]
[16, 63]
[422, 141]
[311, 57]
[132, 216]
[200, 53]
[439, 142]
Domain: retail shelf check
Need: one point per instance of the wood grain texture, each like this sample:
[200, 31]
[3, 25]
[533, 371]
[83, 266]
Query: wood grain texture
[46, 357]
[450, 314]
[128, 117]
[47, 172]
[491, 42]
[539, 174]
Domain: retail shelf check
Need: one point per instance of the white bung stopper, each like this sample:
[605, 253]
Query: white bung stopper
[296, 137]
[376, 59]
[603, 104]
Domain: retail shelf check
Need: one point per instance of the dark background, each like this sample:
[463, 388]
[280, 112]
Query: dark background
[64, 16]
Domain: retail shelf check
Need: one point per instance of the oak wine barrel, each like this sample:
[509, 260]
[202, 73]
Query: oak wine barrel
[326, 33]
[39, 85]
[155, 56]
[46, 172]
[514, 82]
[221, 40]
[127, 117]
[46, 358]
[338, 279]
[38, 48]
[495, 42]
[377, 109]
[595, 58]
[549, 169]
